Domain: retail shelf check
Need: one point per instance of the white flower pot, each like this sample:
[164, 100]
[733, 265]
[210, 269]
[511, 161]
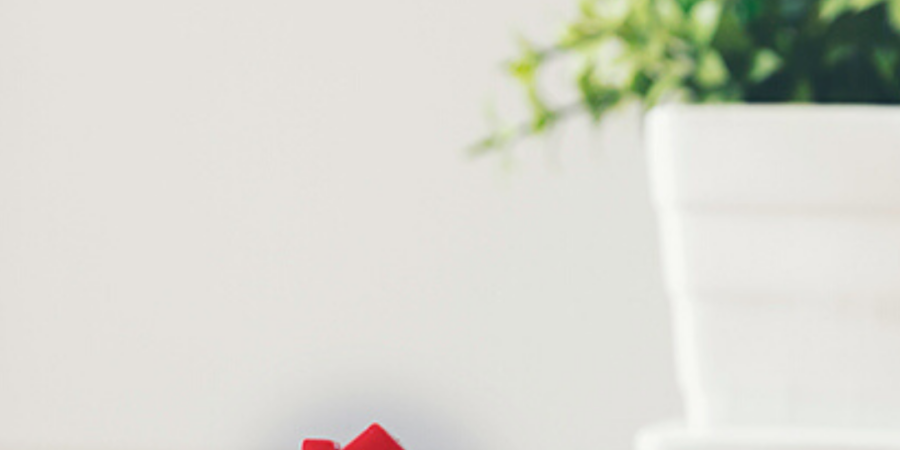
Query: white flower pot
[781, 240]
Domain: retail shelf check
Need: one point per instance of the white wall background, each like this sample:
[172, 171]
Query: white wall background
[231, 224]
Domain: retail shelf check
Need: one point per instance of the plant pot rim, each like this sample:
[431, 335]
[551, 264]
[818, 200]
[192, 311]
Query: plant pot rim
[780, 108]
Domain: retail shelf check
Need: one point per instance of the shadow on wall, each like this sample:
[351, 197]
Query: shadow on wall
[415, 424]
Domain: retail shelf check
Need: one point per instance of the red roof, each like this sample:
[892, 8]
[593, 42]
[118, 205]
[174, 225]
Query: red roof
[319, 444]
[374, 438]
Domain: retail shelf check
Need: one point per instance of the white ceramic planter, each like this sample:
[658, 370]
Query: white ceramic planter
[781, 238]
[675, 436]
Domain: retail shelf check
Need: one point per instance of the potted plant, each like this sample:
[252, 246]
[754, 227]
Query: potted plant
[775, 156]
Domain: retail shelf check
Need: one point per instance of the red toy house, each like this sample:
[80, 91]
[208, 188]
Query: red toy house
[374, 438]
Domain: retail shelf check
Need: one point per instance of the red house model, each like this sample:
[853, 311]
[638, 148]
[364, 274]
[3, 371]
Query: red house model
[374, 438]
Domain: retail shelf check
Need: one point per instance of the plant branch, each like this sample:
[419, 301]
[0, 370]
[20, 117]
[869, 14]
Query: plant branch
[521, 131]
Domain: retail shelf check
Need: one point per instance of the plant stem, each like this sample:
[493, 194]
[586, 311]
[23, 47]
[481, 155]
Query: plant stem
[519, 132]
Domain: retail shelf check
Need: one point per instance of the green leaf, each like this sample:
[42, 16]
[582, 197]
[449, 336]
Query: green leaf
[732, 37]
[894, 14]
[525, 67]
[838, 54]
[711, 70]
[886, 60]
[588, 8]
[669, 13]
[862, 5]
[613, 11]
[803, 92]
[686, 5]
[705, 17]
[660, 89]
[832, 9]
[765, 63]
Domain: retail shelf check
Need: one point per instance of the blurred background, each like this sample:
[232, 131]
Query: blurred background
[231, 225]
